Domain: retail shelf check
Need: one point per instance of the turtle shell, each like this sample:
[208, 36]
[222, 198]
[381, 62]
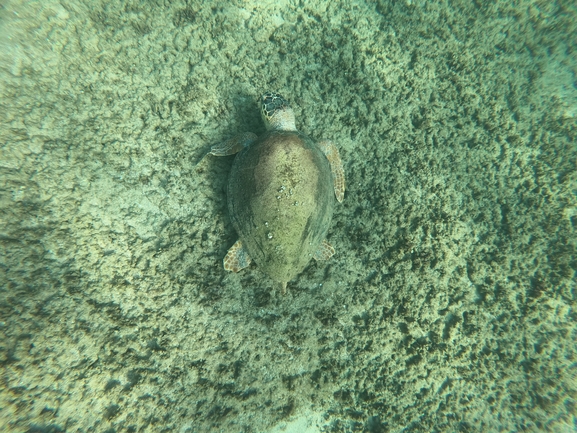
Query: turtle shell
[280, 201]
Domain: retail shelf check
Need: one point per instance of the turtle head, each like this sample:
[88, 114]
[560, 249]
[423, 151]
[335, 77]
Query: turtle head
[277, 113]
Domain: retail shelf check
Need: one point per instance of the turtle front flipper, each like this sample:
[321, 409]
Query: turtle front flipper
[332, 154]
[324, 252]
[236, 258]
[234, 145]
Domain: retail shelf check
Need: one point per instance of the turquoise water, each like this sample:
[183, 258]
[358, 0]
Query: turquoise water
[450, 302]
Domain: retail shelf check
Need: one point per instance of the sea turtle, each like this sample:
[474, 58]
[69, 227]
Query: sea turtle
[281, 193]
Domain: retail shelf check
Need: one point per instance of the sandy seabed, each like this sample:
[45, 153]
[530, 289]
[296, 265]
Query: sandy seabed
[450, 304]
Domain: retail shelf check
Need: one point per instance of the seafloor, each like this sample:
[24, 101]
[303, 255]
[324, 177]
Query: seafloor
[450, 305]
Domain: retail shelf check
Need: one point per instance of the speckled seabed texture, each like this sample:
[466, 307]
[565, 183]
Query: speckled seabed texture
[450, 305]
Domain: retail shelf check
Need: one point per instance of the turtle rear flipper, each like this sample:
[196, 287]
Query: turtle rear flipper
[324, 252]
[236, 258]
